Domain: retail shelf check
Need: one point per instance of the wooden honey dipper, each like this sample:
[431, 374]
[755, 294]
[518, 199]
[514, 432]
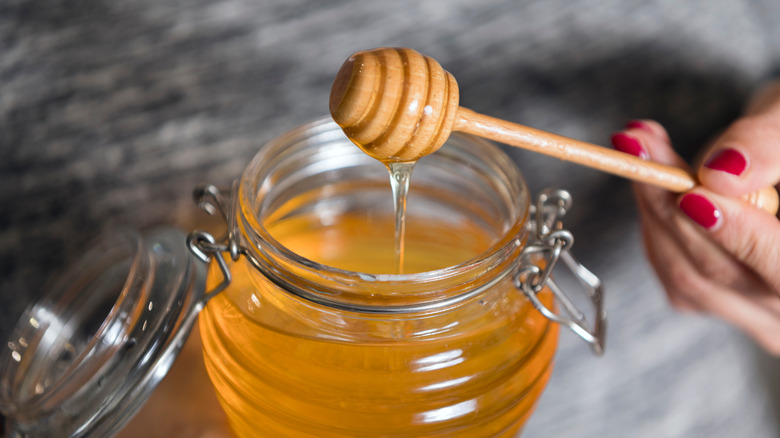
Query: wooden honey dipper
[399, 105]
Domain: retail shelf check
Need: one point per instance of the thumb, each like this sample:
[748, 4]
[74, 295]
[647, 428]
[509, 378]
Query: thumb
[746, 157]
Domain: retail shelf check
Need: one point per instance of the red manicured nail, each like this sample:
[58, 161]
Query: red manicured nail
[727, 160]
[628, 144]
[700, 210]
[638, 124]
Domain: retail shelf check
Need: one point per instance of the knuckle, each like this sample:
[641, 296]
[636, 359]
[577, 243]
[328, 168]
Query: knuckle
[713, 264]
[748, 124]
[685, 283]
[761, 125]
[747, 251]
[681, 304]
[756, 254]
[681, 278]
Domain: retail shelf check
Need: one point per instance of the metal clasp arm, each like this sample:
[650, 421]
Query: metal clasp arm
[203, 245]
[548, 243]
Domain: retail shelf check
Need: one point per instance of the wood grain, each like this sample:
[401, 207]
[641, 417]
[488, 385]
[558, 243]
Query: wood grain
[399, 105]
[607, 160]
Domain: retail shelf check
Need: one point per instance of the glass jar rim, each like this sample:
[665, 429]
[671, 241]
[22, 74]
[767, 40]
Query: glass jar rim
[250, 219]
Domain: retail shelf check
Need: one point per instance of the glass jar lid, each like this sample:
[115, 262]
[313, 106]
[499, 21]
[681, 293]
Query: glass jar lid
[85, 357]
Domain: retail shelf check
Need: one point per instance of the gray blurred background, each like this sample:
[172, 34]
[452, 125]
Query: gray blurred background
[111, 112]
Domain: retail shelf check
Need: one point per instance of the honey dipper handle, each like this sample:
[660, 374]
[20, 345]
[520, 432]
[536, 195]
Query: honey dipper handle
[590, 155]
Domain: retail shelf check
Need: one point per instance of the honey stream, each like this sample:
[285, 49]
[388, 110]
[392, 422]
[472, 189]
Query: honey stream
[400, 176]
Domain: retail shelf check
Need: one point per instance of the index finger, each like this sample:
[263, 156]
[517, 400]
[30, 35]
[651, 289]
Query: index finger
[747, 234]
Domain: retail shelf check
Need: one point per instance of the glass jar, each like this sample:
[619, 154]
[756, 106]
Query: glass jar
[305, 333]
[314, 338]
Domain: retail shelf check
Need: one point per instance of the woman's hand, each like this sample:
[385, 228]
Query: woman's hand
[713, 252]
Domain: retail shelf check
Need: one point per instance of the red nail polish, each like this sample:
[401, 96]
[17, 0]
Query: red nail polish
[625, 143]
[700, 210]
[638, 124]
[727, 160]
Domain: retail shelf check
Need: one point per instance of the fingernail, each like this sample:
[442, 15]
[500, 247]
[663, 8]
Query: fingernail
[628, 144]
[638, 124]
[700, 210]
[727, 160]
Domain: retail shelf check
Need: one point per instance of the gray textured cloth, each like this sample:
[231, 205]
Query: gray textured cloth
[111, 112]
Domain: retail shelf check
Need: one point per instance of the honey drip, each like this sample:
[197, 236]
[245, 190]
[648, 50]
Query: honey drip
[400, 175]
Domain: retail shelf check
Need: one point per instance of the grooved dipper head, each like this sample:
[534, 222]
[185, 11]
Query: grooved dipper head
[394, 103]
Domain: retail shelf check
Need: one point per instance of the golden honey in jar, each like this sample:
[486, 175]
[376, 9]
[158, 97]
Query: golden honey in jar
[317, 337]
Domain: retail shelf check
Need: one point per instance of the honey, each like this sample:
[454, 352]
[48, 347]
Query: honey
[321, 332]
[454, 374]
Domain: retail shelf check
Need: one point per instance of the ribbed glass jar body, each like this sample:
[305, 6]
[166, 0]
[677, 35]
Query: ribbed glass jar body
[317, 337]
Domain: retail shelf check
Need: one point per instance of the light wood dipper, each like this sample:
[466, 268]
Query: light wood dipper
[399, 105]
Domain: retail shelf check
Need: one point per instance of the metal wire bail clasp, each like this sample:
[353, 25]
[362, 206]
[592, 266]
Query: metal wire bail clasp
[203, 245]
[548, 242]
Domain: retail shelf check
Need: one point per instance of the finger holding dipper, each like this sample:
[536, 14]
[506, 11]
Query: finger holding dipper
[399, 105]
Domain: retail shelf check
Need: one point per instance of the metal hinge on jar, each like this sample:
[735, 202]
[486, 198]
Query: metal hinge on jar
[203, 245]
[548, 243]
